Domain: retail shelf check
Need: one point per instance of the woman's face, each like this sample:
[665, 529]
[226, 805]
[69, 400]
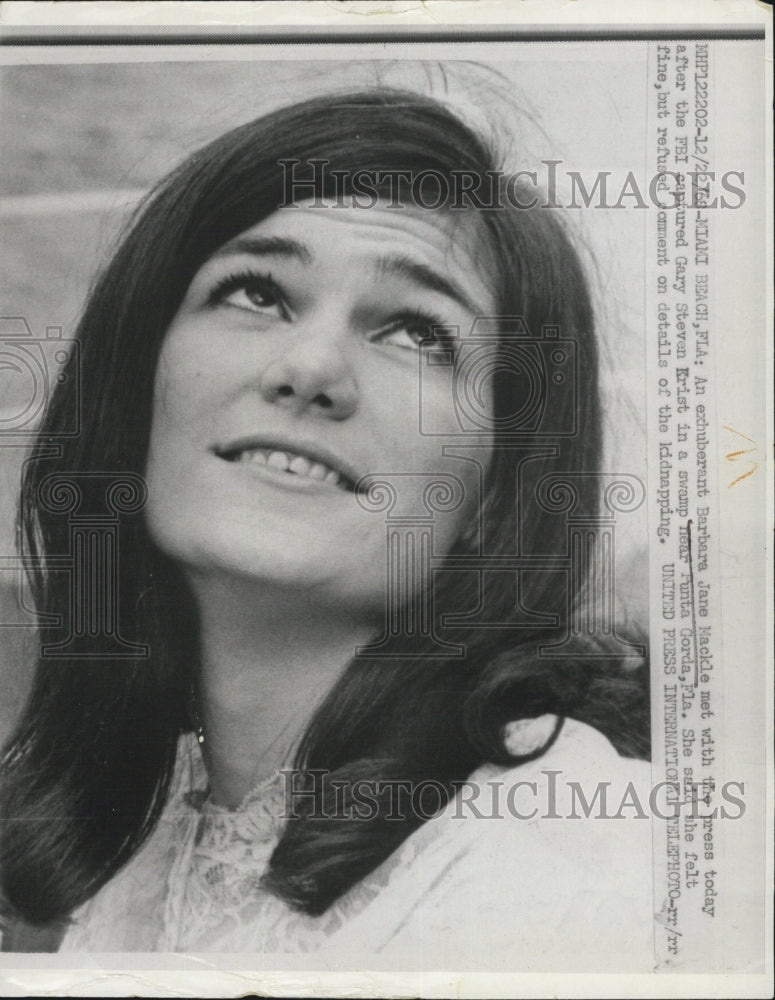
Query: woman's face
[292, 370]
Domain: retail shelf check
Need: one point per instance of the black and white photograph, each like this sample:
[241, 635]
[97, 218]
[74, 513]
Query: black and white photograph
[386, 501]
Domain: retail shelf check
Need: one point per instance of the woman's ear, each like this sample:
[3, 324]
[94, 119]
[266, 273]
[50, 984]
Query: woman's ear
[523, 737]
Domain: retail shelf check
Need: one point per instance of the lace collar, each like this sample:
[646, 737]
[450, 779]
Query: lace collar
[259, 816]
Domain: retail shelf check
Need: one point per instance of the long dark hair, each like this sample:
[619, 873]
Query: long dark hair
[87, 772]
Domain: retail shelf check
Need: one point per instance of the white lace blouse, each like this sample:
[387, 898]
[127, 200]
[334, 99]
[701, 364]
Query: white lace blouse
[483, 885]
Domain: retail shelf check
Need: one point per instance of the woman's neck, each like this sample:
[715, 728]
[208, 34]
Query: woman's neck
[268, 660]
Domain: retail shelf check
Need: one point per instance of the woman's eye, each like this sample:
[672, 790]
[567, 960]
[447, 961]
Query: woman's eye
[251, 292]
[410, 332]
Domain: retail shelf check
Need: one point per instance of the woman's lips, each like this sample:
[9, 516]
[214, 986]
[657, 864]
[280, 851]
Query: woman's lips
[290, 463]
[295, 456]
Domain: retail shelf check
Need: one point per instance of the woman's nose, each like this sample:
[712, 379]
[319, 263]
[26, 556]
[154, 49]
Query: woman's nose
[311, 373]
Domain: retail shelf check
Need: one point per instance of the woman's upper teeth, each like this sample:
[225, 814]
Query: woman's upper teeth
[289, 462]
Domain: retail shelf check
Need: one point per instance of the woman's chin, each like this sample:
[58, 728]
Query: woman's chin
[315, 574]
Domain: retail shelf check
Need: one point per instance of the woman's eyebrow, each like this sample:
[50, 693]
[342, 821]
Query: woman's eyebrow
[262, 246]
[420, 274]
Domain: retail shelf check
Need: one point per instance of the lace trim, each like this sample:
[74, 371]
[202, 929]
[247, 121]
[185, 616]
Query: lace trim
[213, 890]
[195, 885]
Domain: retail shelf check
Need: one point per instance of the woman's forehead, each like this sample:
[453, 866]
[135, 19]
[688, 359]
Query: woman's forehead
[338, 233]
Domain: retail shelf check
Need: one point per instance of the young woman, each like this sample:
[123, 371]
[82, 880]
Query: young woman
[340, 702]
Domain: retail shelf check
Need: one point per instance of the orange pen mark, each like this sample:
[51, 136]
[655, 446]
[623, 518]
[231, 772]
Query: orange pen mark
[744, 475]
[735, 456]
[739, 434]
